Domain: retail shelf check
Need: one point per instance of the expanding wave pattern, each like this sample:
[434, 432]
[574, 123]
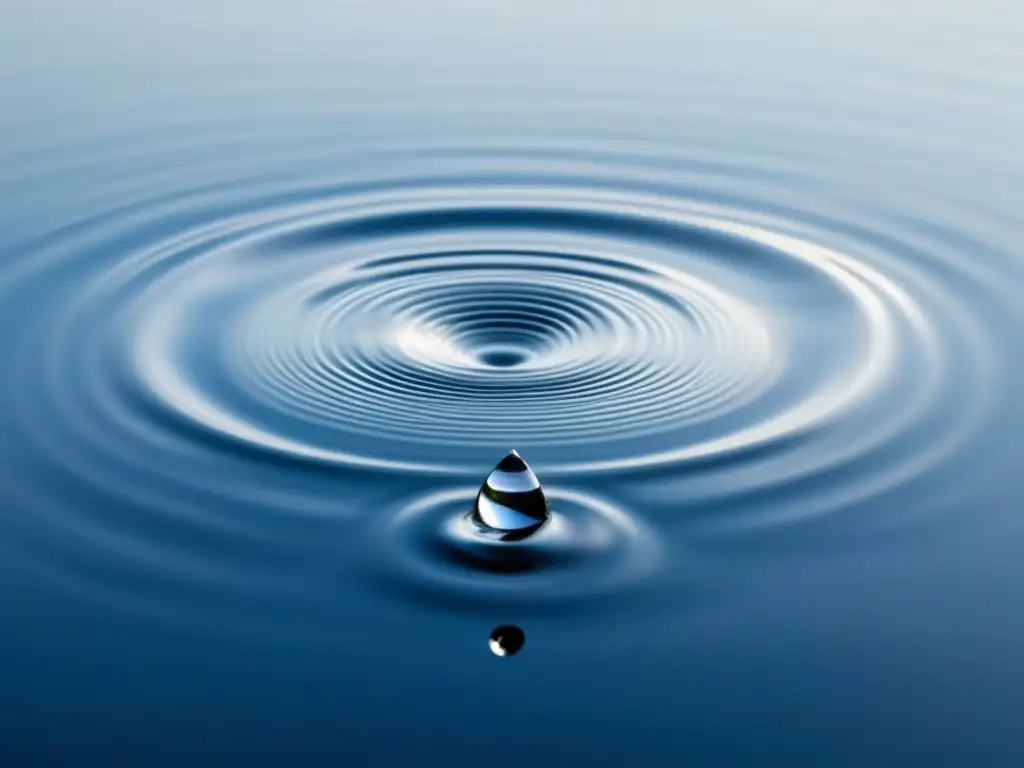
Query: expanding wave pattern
[718, 361]
[758, 340]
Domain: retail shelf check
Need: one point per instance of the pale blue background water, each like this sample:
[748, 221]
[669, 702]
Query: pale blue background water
[761, 267]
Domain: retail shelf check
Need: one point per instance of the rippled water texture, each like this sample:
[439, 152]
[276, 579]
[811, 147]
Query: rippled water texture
[279, 288]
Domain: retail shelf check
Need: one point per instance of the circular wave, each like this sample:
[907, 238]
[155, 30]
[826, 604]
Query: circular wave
[229, 366]
[389, 331]
[588, 548]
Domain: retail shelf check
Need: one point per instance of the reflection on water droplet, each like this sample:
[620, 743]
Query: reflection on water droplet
[511, 504]
[506, 640]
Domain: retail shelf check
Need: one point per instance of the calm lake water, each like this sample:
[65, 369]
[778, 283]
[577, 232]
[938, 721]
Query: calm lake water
[280, 283]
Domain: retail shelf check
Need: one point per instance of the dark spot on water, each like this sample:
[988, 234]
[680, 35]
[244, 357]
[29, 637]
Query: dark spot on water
[502, 358]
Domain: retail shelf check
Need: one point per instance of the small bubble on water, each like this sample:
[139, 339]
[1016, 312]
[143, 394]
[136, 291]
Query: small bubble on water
[507, 640]
[511, 504]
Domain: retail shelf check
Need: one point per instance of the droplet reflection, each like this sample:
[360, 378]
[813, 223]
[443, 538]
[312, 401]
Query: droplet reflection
[510, 505]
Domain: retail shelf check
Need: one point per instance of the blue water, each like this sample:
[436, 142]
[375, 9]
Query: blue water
[281, 283]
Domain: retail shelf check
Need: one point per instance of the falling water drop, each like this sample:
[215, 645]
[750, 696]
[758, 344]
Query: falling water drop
[507, 640]
[511, 504]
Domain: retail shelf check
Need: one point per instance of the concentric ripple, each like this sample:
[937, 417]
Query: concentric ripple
[695, 355]
[388, 331]
[279, 286]
[589, 547]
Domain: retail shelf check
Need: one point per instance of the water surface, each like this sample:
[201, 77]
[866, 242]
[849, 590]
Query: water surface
[280, 284]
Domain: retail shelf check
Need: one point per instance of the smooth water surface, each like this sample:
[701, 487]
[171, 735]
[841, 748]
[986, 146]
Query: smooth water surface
[280, 283]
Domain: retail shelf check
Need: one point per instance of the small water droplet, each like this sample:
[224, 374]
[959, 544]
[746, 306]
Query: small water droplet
[507, 640]
[510, 505]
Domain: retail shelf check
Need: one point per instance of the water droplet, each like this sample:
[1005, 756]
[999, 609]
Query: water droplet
[510, 504]
[506, 640]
